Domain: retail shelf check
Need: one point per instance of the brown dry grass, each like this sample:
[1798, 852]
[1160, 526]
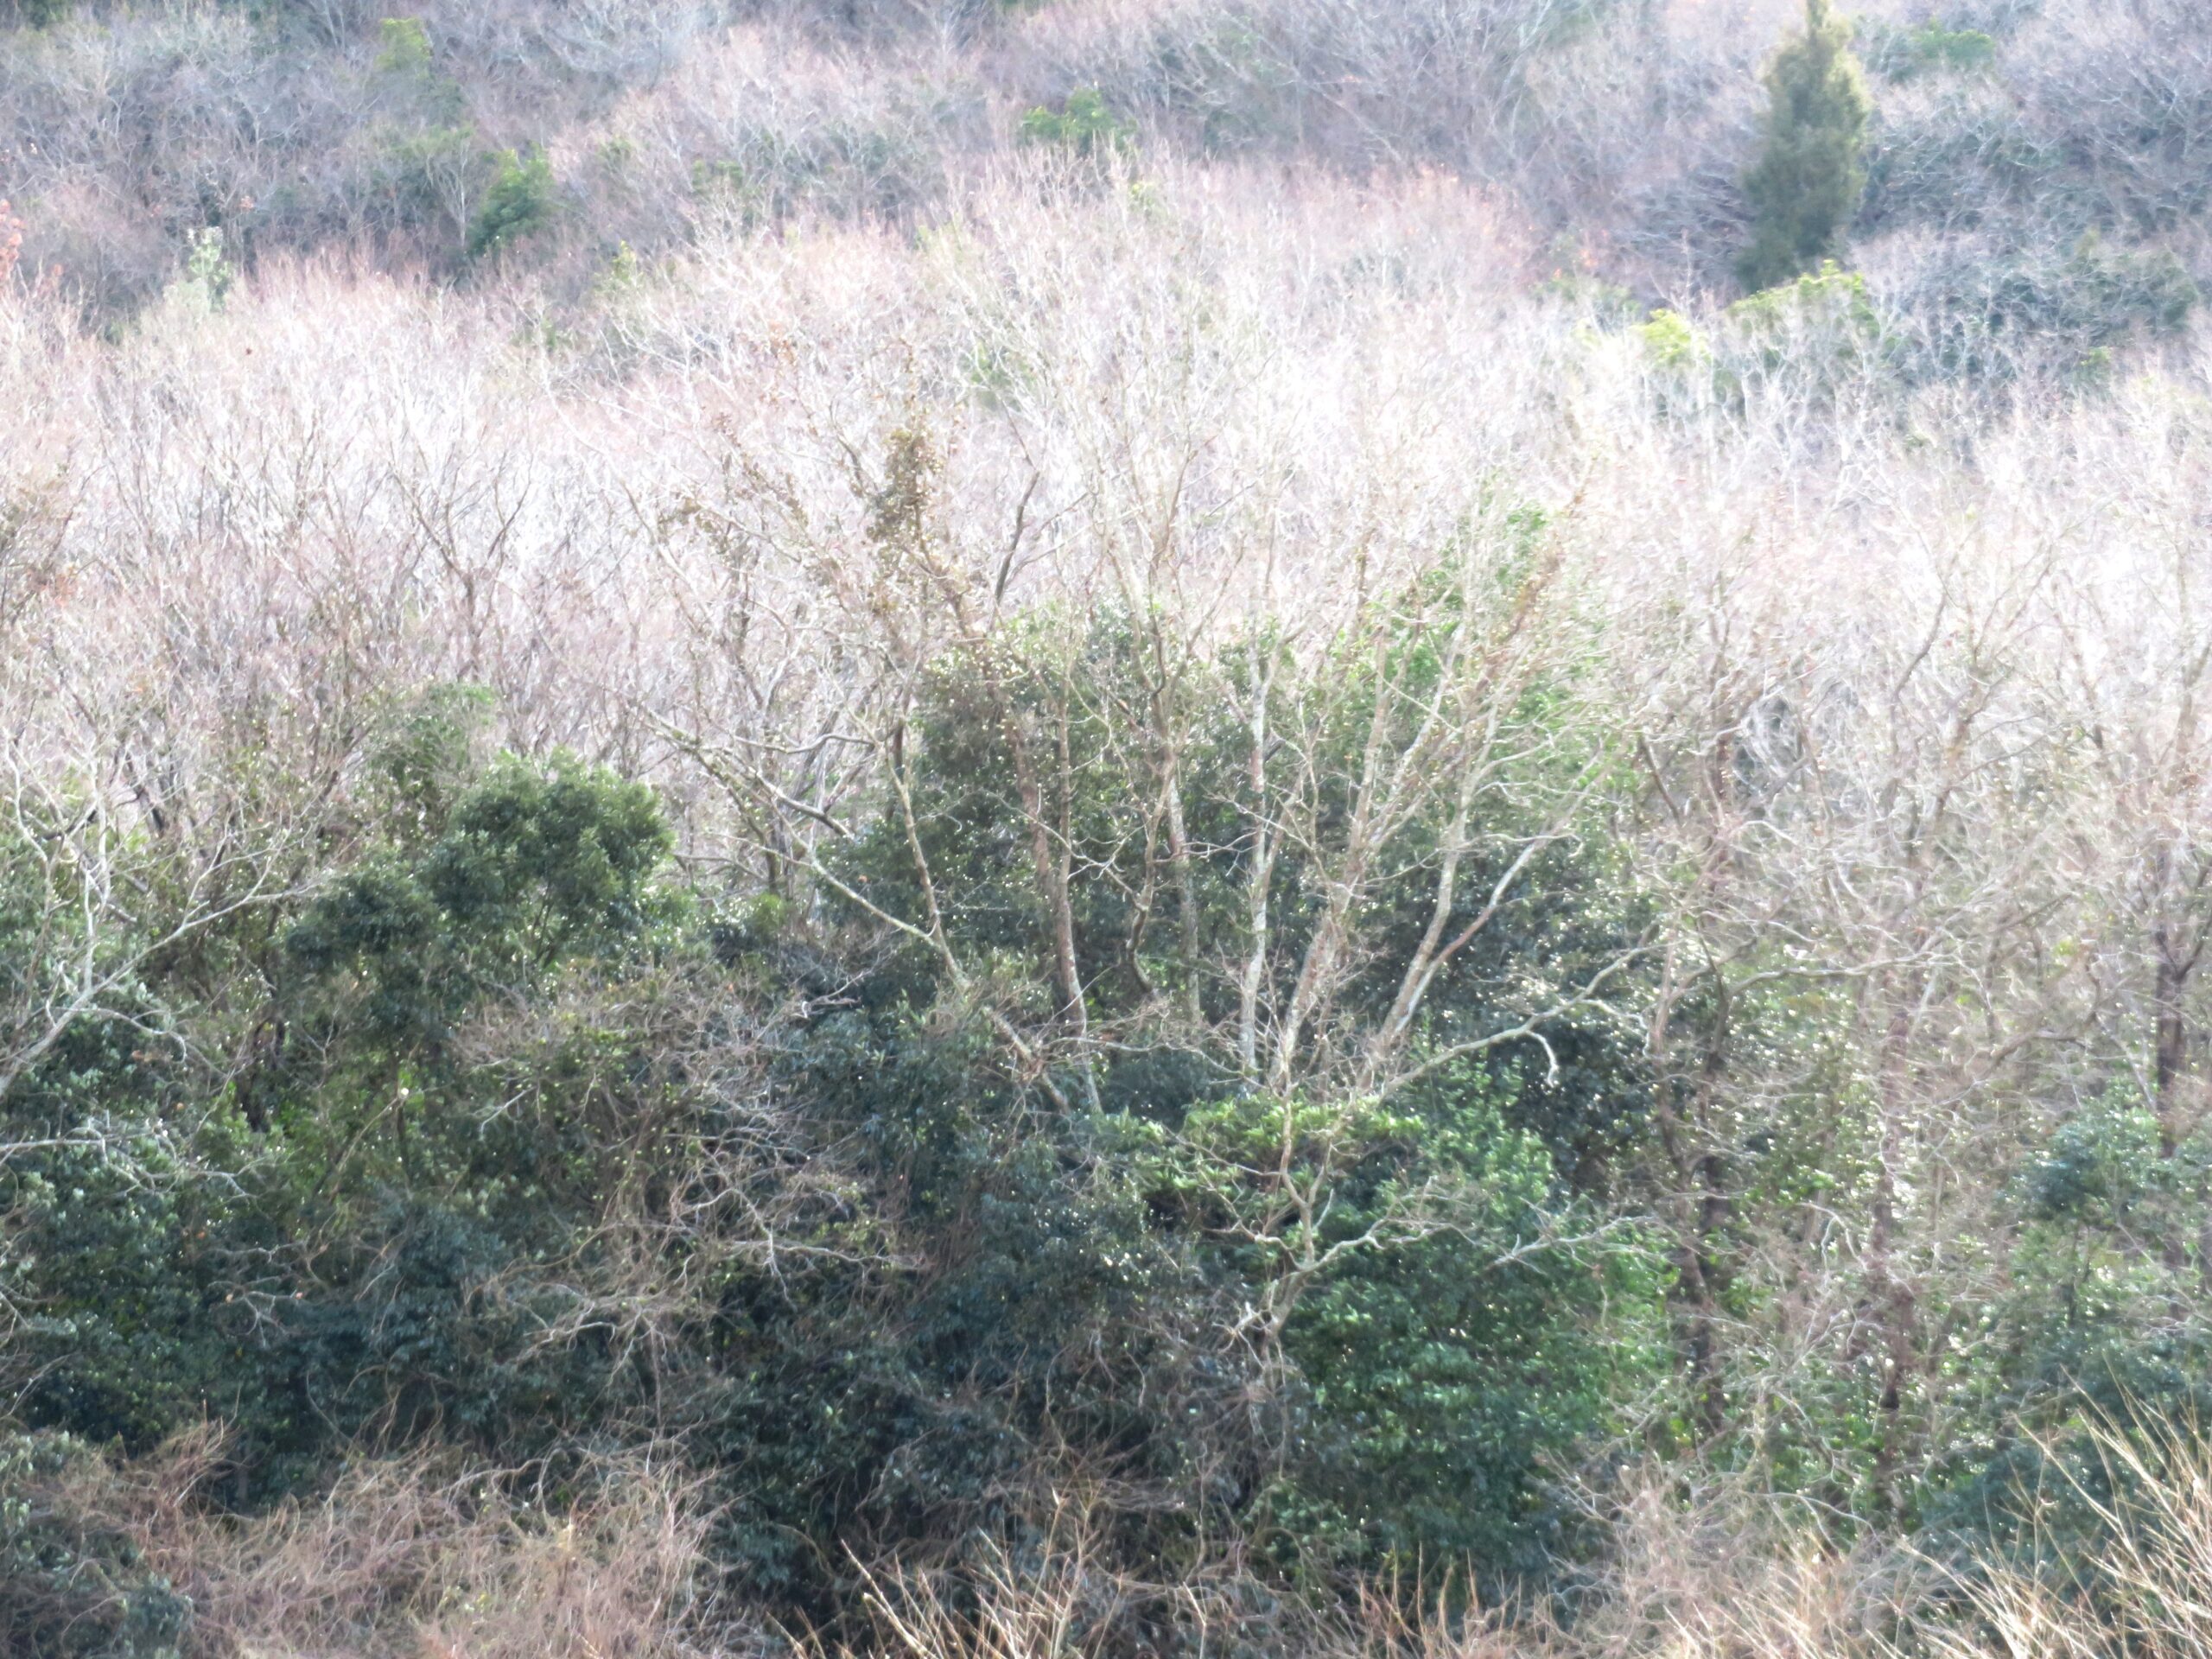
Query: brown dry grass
[417, 1557]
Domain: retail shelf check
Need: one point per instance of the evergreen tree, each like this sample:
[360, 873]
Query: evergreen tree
[1806, 187]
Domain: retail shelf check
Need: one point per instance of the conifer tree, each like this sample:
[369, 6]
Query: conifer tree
[1806, 186]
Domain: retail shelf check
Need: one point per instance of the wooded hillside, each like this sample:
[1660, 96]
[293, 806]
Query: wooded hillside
[1106, 827]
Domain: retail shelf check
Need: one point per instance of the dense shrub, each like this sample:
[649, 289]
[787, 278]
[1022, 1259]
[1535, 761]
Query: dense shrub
[993, 1285]
[518, 203]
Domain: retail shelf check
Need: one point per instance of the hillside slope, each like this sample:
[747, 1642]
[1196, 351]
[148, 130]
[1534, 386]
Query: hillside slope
[1100, 827]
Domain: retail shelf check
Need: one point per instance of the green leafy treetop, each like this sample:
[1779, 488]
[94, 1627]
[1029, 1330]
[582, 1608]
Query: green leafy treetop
[519, 204]
[1806, 186]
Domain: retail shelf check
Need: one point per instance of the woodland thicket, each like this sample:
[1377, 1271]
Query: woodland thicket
[1104, 828]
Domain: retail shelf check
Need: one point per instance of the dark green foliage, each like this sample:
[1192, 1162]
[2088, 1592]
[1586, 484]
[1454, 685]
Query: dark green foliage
[489, 1047]
[1807, 183]
[1437, 1396]
[416, 1346]
[921, 1281]
[128, 1274]
[500, 1043]
[72, 1586]
[519, 204]
[532, 865]
[1034, 1303]
[131, 1245]
[2101, 1332]
[1449, 1372]
[499, 1129]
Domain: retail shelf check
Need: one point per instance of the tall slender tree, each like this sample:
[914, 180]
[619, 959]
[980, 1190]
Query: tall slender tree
[1807, 183]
